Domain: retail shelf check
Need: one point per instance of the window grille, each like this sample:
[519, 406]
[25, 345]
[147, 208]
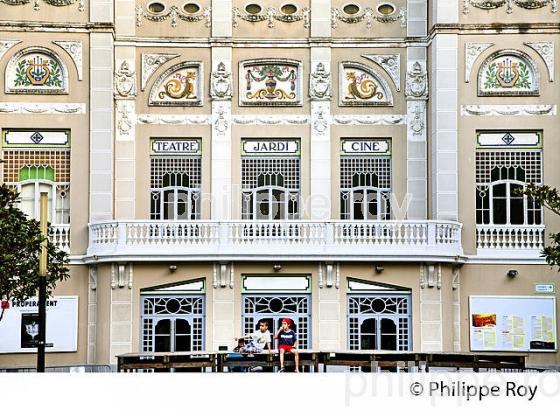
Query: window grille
[365, 184]
[499, 173]
[34, 171]
[273, 308]
[175, 323]
[271, 188]
[379, 322]
[175, 188]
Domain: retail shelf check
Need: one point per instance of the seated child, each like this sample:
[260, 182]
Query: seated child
[287, 343]
[259, 339]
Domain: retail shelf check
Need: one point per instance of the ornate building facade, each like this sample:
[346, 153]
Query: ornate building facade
[350, 165]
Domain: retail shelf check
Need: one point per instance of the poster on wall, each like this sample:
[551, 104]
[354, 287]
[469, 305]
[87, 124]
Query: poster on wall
[513, 323]
[20, 326]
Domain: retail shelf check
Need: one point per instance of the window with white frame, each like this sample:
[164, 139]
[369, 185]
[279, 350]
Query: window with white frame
[173, 317]
[505, 163]
[175, 181]
[379, 316]
[43, 169]
[365, 179]
[271, 181]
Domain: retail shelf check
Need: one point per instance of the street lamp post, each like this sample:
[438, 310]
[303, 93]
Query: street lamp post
[42, 284]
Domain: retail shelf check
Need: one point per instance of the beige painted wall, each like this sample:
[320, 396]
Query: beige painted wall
[492, 280]
[78, 92]
[468, 125]
[76, 285]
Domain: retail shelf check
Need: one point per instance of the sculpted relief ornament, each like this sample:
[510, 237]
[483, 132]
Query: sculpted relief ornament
[220, 86]
[271, 15]
[75, 50]
[179, 85]
[173, 13]
[368, 15]
[472, 52]
[495, 4]
[508, 73]
[391, 63]
[125, 82]
[37, 7]
[151, 62]
[360, 85]
[417, 82]
[416, 91]
[270, 82]
[36, 70]
[320, 83]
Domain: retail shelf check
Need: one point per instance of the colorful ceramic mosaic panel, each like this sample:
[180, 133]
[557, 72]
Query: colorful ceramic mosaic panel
[361, 86]
[35, 73]
[180, 86]
[270, 83]
[508, 74]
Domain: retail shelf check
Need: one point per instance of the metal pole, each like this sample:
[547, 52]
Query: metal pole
[42, 285]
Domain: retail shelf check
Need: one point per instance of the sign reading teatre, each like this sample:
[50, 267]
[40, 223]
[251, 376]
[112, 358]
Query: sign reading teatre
[175, 146]
[270, 147]
[366, 146]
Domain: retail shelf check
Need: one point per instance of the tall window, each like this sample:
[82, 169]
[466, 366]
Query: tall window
[379, 316]
[175, 188]
[365, 188]
[499, 174]
[271, 188]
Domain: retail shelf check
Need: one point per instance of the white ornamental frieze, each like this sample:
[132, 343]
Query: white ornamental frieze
[125, 81]
[220, 85]
[320, 83]
[417, 82]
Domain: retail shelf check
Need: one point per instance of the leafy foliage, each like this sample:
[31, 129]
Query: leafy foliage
[20, 246]
[524, 77]
[490, 81]
[54, 79]
[21, 77]
[549, 198]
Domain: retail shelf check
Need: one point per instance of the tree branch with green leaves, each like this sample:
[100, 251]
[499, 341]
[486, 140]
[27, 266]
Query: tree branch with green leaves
[20, 249]
[549, 198]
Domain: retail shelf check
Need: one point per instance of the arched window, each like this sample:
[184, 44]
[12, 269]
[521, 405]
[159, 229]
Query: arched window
[175, 188]
[500, 203]
[35, 179]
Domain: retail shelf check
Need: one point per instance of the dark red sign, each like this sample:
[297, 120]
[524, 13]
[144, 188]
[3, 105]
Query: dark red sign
[5, 304]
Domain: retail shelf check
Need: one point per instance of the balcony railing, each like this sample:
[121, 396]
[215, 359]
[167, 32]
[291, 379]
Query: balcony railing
[269, 240]
[520, 240]
[60, 236]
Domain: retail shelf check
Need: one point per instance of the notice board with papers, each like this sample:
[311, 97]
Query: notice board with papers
[512, 323]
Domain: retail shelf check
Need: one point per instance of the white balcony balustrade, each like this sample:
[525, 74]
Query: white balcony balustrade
[60, 236]
[273, 240]
[514, 240]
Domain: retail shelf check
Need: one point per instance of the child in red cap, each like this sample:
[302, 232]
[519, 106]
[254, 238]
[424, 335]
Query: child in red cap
[287, 343]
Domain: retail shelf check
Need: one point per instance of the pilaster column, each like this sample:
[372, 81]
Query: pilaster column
[320, 94]
[431, 322]
[101, 122]
[329, 337]
[456, 289]
[125, 150]
[101, 11]
[444, 125]
[320, 18]
[92, 315]
[221, 93]
[222, 18]
[223, 306]
[120, 331]
[125, 17]
[417, 18]
[416, 92]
